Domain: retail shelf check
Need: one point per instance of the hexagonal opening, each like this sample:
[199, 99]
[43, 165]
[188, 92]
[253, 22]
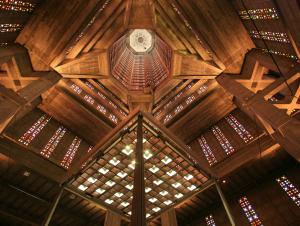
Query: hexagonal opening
[140, 59]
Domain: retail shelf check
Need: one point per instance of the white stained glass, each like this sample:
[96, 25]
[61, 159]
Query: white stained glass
[122, 174]
[176, 185]
[166, 160]
[127, 150]
[153, 200]
[92, 180]
[147, 154]
[100, 191]
[129, 186]
[157, 182]
[188, 177]
[109, 201]
[171, 173]
[119, 194]
[168, 202]
[147, 189]
[110, 183]
[154, 169]
[156, 209]
[148, 215]
[103, 170]
[192, 187]
[114, 161]
[82, 187]
[163, 193]
[179, 195]
[132, 165]
[125, 204]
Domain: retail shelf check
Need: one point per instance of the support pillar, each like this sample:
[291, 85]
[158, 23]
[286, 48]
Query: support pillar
[168, 218]
[225, 204]
[285, 130]
[138, 217]
[52, 208]
[112, 219]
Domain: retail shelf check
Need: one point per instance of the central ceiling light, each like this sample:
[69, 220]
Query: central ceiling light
[141, 41]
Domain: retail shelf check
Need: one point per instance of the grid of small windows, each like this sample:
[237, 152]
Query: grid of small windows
[16, 5]
[239, 128]
[10, 27]
[188, 26]
[259, 14]
[69, 156]
[91, 87]
[290, 189]
[210, 221]
[53, 142]
[89, 99]
[190, 99]
[2, 44]
[34, 130]
[91, 22]
[223, 141]
[207, 151]
[294, 57]
[249, 212]
[169, 178]
[270, 36]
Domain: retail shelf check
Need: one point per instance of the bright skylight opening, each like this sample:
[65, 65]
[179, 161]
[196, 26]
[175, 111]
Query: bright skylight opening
[147, 189]
[156, 209]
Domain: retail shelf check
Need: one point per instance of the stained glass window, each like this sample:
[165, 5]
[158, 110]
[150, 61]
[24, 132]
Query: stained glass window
[207, 151]
[34, 130]
[249, 212]
[16, 5]
[270, 36]
[10, 27]
[259, 14]
[210, 221]
[69, 156]
[239, 128]
[53, 142]
[290, 189]
[223, 141]
[279, 53]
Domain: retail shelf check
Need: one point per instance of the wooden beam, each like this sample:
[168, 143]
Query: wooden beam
[28, 158]
[138, 217]
[168, 218]
[112, 219]
[288, 129]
